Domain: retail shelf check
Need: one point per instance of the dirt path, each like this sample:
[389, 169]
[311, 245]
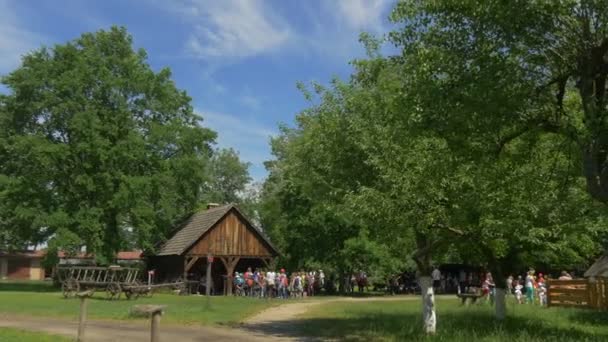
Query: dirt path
[275, 324]
[98, 331]
[279, 322]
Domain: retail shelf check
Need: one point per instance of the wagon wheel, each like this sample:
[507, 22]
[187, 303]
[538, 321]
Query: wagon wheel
[70, 287]
[113, 291]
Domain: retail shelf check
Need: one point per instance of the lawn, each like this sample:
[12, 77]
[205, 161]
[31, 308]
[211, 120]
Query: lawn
[180, 309]
[401, 321]
[15, 335]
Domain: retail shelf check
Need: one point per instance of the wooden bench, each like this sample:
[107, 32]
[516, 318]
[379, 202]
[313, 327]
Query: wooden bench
[471, 297]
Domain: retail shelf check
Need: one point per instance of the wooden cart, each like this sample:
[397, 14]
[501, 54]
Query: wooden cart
[115, 280]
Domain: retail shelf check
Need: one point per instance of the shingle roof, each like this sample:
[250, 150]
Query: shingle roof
[197, 225]
[599, 268]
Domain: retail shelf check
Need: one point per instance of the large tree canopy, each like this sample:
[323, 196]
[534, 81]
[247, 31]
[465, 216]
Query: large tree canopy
[96, 146]
[486, 73]
[467, 144]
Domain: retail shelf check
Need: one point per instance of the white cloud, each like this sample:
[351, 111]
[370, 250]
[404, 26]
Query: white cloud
[362, 14]
[232, 28]
[251, 101]
[15, 40]
[222, 32]
[335, 27]
[248, 137]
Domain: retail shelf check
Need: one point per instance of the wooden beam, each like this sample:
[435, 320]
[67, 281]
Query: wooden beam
[229, 264]
[185, 269]
[191, 263]
[266, 261]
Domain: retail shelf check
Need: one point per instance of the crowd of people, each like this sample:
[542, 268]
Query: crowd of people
[530, 288]
[272, 284]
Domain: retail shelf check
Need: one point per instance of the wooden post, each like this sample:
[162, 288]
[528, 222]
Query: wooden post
[208, 285]
[548, 293]
[230, 264]
[83, 313]
[155, 312]
[154, 335]
[185, 269]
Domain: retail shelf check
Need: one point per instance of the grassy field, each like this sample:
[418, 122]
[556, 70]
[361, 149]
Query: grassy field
[14, 335]
[401, 321]
[40, 299]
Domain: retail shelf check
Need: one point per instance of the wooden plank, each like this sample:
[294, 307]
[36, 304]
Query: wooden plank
[553, 282]
[559, 291]
[573, 298]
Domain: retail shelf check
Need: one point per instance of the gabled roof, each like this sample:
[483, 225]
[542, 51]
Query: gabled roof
[599, 268]
[198, 224]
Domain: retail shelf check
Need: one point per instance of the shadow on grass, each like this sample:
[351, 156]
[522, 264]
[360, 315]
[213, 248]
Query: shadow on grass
[28, 286]
[466, 326]
[589, 317]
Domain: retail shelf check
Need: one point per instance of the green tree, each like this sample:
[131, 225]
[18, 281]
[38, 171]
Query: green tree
[228, 177]
[488, 73]
[95, 145]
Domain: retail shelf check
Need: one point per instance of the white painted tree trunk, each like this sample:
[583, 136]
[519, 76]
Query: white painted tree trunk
[500, 303]
[429, 319]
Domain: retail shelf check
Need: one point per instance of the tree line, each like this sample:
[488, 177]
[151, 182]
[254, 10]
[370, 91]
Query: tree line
[480, 138]
[97, 150]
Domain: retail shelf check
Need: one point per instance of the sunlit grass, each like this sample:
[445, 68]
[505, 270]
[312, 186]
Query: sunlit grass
[195, 310]
[402, 321]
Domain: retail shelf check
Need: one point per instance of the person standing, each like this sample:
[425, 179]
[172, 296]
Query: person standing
[530, 287]
[462, 280]
[270, 283]
[283, 284]
[436, 275]
[510, 285]
[321, 280]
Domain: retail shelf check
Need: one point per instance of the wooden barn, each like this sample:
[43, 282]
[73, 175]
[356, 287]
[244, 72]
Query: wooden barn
[222, 232]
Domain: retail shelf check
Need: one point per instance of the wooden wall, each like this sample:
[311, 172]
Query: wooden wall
[578, 293]
[18, 268]
[231, 236]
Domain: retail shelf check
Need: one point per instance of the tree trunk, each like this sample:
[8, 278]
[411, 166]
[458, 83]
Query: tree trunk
[500, 302]
[429, 320]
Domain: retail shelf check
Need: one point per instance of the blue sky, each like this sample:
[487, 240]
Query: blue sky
[238, 59]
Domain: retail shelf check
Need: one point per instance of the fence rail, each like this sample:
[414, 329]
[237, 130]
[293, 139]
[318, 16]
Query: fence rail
[581, 293]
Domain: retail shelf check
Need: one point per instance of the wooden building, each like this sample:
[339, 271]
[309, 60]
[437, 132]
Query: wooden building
[222, 232]
[22, 265]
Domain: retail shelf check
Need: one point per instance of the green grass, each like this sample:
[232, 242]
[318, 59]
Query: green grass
[191, 310]
[401, 321]
[15, 335]
[27, 286]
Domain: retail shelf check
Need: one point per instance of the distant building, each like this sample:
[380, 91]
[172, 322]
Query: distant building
[22, 265]
[27, 265]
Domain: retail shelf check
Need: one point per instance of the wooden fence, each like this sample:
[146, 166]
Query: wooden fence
[581, 293]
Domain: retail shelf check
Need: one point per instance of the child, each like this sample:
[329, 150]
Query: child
[542, 294]
[518, 293]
